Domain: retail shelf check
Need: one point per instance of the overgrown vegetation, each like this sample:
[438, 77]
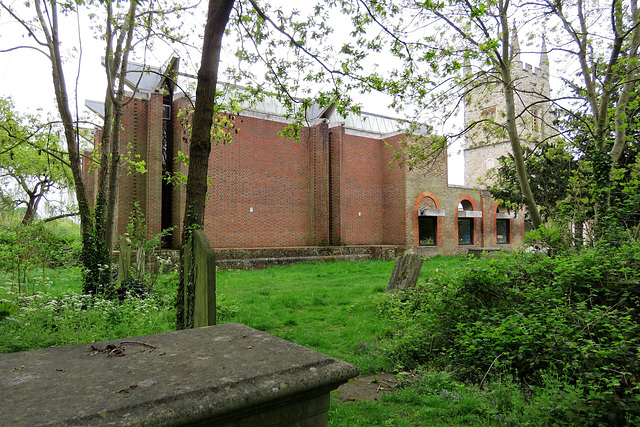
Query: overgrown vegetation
[56, 313]
[518, 339]
[572, 316]
[437, 398]
[26, 251]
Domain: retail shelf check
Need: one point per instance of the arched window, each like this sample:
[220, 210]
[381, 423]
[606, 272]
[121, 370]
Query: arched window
[490, 163]
[427, 222]
[465, 224]
[503, 225]
[465, 205]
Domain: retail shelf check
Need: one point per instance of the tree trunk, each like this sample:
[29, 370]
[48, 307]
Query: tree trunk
[62, 100]
[34, 200]
[30, 213]
[620, 73]
[217, 18]
[507, 85]
[116, 65]
[518, 157]
[122, 58]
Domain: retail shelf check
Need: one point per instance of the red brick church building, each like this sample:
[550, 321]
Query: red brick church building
[333, 187]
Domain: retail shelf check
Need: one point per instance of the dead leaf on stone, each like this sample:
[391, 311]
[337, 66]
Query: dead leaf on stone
[127, 388]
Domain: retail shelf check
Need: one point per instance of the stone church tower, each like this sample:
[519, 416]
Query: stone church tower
[487, 141]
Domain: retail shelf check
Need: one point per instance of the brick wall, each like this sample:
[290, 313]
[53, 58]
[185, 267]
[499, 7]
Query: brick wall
[336, 191]
[180, 143]
[154, 165]
[328, 188]
[394, 217]
[332, 187]
[133, 141]
[362, 182]
[319, 181]
[130, 185]
[420, 185]
[262, 190]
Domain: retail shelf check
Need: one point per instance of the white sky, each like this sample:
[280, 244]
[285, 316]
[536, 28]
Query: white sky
[25, 75]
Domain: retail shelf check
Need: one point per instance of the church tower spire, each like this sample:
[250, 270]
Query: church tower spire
[544, 58]
[515, 46]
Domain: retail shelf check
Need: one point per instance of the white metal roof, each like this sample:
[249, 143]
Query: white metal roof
[146, 79]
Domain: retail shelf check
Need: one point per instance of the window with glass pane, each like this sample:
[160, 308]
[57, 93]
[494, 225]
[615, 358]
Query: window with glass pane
[502, 230]
[427, 230]
[465, 231]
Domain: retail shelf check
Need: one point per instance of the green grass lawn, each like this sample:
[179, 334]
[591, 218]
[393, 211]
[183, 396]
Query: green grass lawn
[330, 307]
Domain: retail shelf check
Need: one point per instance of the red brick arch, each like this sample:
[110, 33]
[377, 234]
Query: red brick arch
[477, 222]
[494, 221]
[416, 232]
[470, 199]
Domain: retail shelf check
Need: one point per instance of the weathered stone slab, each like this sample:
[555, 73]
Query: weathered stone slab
[205, 281]
[469, 214]
[479, 252]
[405, 272]
[225, 375]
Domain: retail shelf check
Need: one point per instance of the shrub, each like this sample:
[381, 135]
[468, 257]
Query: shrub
[529, 315]
[132, 287]
[36, 245]
[26, 250]
[7, 309]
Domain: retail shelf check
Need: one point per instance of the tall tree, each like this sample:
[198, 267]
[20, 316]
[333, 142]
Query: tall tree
[217, 18]
[119, 44]
[549, 165]
[607, 76]
[280, 46]
[43, 29]
[431, 42]
[31, 160]
[119, 30]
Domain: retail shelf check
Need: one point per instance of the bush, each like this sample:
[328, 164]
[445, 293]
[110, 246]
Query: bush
[529, 315]
[132, 287]
[27, 250]
[36, 245]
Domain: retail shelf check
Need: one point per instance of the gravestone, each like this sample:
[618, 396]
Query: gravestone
[141, 256]
[405, 272]
[200, 278]
[124, 260]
